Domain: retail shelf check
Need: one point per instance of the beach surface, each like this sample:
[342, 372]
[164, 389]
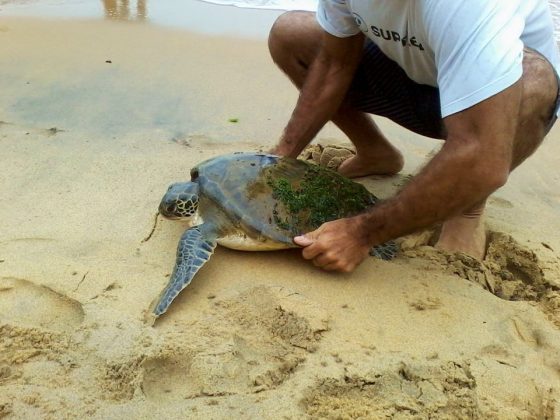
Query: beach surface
[97, 118]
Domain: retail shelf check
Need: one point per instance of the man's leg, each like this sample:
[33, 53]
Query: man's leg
[466, 232]
[294, 42]
[375, 155]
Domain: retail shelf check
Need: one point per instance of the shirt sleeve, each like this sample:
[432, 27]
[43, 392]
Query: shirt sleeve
[335, 18]
[477, 49]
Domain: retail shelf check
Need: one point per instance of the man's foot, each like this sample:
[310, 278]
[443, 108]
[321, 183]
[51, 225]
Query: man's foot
[360, 165]
[464, 233]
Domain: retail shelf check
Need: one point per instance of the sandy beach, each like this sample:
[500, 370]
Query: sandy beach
[97, 118]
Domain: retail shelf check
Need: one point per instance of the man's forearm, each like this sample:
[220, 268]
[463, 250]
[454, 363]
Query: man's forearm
[474, 161]
[322, 93]
[319, 100]
[456, 179]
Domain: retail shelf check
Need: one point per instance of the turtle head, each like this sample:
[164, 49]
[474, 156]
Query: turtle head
[180, 201]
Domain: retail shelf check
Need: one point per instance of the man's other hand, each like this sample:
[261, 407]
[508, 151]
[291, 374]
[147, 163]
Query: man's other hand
[336, 245]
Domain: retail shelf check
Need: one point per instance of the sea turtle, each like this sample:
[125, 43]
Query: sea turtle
[254, 202]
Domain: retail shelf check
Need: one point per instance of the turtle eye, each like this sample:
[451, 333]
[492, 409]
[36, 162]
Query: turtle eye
[194, 174]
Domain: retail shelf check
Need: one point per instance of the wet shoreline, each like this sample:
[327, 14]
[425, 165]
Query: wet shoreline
[192, 15]
[202, 16]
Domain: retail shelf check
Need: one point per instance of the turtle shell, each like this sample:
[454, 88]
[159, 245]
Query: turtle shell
[277, 197]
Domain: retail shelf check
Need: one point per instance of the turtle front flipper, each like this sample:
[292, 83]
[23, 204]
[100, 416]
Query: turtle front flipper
[386, 251]
[194, 250]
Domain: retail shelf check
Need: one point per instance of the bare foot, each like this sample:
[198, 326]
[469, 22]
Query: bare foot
[359, 165]
[464, 234]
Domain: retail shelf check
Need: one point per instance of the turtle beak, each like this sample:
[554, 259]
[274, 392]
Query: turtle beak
[168, 210]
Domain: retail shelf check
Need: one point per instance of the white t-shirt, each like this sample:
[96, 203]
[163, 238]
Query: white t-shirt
[470, 49]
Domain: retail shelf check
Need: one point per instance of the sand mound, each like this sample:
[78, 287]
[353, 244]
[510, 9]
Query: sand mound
[330, 156]
[25, 303]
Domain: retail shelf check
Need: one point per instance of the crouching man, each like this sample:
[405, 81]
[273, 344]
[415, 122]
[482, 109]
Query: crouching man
[480, 75]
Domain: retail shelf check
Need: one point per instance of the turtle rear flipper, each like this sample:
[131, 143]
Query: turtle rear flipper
[386, 251]
[194, 250]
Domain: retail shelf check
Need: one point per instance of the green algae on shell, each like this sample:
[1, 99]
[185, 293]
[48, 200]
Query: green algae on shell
[321, 195]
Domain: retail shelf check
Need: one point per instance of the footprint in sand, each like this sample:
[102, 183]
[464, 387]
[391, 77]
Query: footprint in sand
[516, 274]
[249, 343]
[401, 386]
[396, 388]
[509, 271]
[35, 322]
[26, 304]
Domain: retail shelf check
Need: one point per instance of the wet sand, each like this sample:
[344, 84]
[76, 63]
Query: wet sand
[87, 149]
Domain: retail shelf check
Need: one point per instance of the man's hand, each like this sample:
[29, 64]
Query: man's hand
[335, 246]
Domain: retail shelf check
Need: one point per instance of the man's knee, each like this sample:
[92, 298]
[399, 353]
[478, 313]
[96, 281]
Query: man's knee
[292, 31]
[540, 87]
[538, 103]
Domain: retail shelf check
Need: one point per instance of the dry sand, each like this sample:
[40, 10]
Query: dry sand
[87, 148]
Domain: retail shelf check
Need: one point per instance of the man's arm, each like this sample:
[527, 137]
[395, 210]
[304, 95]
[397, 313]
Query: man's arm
[325, 86]
[475, 161]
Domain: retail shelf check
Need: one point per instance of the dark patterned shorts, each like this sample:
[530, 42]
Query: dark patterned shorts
[381, 87]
